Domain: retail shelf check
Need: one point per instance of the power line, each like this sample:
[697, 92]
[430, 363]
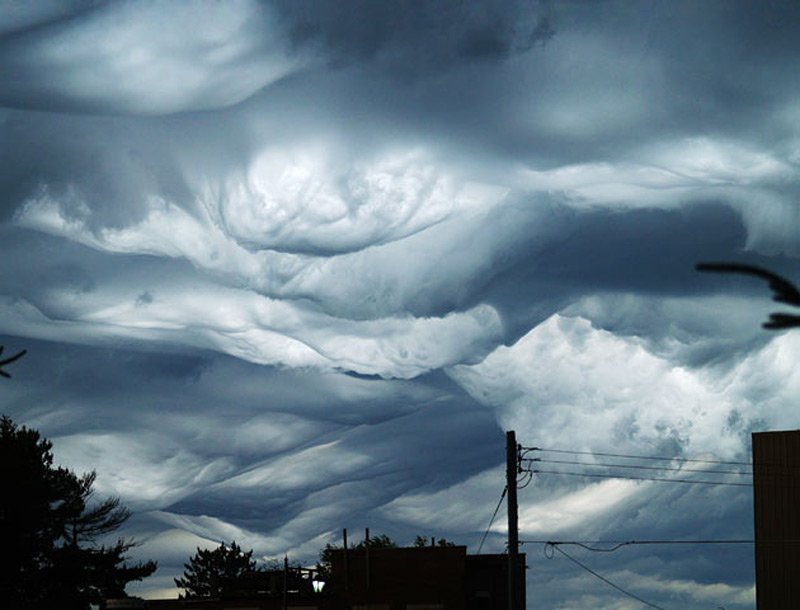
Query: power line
[494, 514]
[618, 544]
[635, 466]
[638, 457]
[603, 578]
[632, 478]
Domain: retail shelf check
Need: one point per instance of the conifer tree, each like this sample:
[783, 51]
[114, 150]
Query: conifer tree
[208, 570]
[50, 552]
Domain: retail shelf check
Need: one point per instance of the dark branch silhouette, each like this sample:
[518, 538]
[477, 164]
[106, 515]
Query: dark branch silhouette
[54, 551]
[209, 571]
[13, 358]
[784, 290]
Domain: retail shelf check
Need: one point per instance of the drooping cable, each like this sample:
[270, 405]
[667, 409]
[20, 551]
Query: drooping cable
[601, 577]
[526, 480]
[494, 514]
[635, 466]
[632, 478]
[638, 457]
[618, 544]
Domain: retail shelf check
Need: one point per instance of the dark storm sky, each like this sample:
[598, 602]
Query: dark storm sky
[287, 267]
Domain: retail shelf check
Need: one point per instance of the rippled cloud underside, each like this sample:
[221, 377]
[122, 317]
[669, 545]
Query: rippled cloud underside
[287, 267]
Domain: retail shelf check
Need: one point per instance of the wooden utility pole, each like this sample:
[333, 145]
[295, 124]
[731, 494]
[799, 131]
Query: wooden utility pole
[512, 451]
[366, 563]
[344, 554]
[285, 582]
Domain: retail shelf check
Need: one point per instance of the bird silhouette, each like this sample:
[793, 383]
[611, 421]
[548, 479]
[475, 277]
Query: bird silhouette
[13, 358]
[783, 290]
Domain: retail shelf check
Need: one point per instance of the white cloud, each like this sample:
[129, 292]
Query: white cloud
[668, 174]
[759, 183]
[145, 470]
[574, 509]
[465, 506]
[765, 384]
[314, 196]
[393, 213]
[267, 331]
[403, 233]
[307, 468]
[151, 58]
[569, 384]
[716, 592]
[175, 545]
[684, 331]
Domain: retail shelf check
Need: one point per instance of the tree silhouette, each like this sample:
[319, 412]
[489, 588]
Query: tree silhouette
[208, 570]
[784, 291]
[49, 552]
[421, 541]
[381, 541]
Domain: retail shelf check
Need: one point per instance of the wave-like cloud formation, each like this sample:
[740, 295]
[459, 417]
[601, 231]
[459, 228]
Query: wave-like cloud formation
[143, 58]
[283, 268]
[567, 375]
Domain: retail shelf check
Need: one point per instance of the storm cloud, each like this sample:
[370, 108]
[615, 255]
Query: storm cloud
[287, 267]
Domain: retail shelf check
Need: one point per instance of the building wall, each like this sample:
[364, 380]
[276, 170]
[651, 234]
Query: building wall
[427, 578]
[487, 582]
[776, 510]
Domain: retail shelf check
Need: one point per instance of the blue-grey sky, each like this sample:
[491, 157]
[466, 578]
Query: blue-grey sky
[287, 267]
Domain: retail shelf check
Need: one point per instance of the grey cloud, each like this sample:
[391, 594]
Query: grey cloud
[687, 331]
[566, 376]
[101, 170]
[160, 427]
[360, 459]
[508, 220]
[137, 58]
[412, 37]
[24, 16]
[222, 61]
[676, 512]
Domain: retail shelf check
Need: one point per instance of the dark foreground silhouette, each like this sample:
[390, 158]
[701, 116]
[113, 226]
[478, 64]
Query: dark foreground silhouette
[6, 361]
[784, 291]
[51, 554]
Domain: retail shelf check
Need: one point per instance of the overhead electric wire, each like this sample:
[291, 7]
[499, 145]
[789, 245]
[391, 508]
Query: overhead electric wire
[674, 464]
[618, 544]
[632, 478]
[604, 579]
[527, 479]
[494, 514]
[634, 466]
[638, 457]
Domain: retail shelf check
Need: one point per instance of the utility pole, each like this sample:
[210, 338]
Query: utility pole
[512, 453]
[285, 582]
[366, 562]
[344, 554]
